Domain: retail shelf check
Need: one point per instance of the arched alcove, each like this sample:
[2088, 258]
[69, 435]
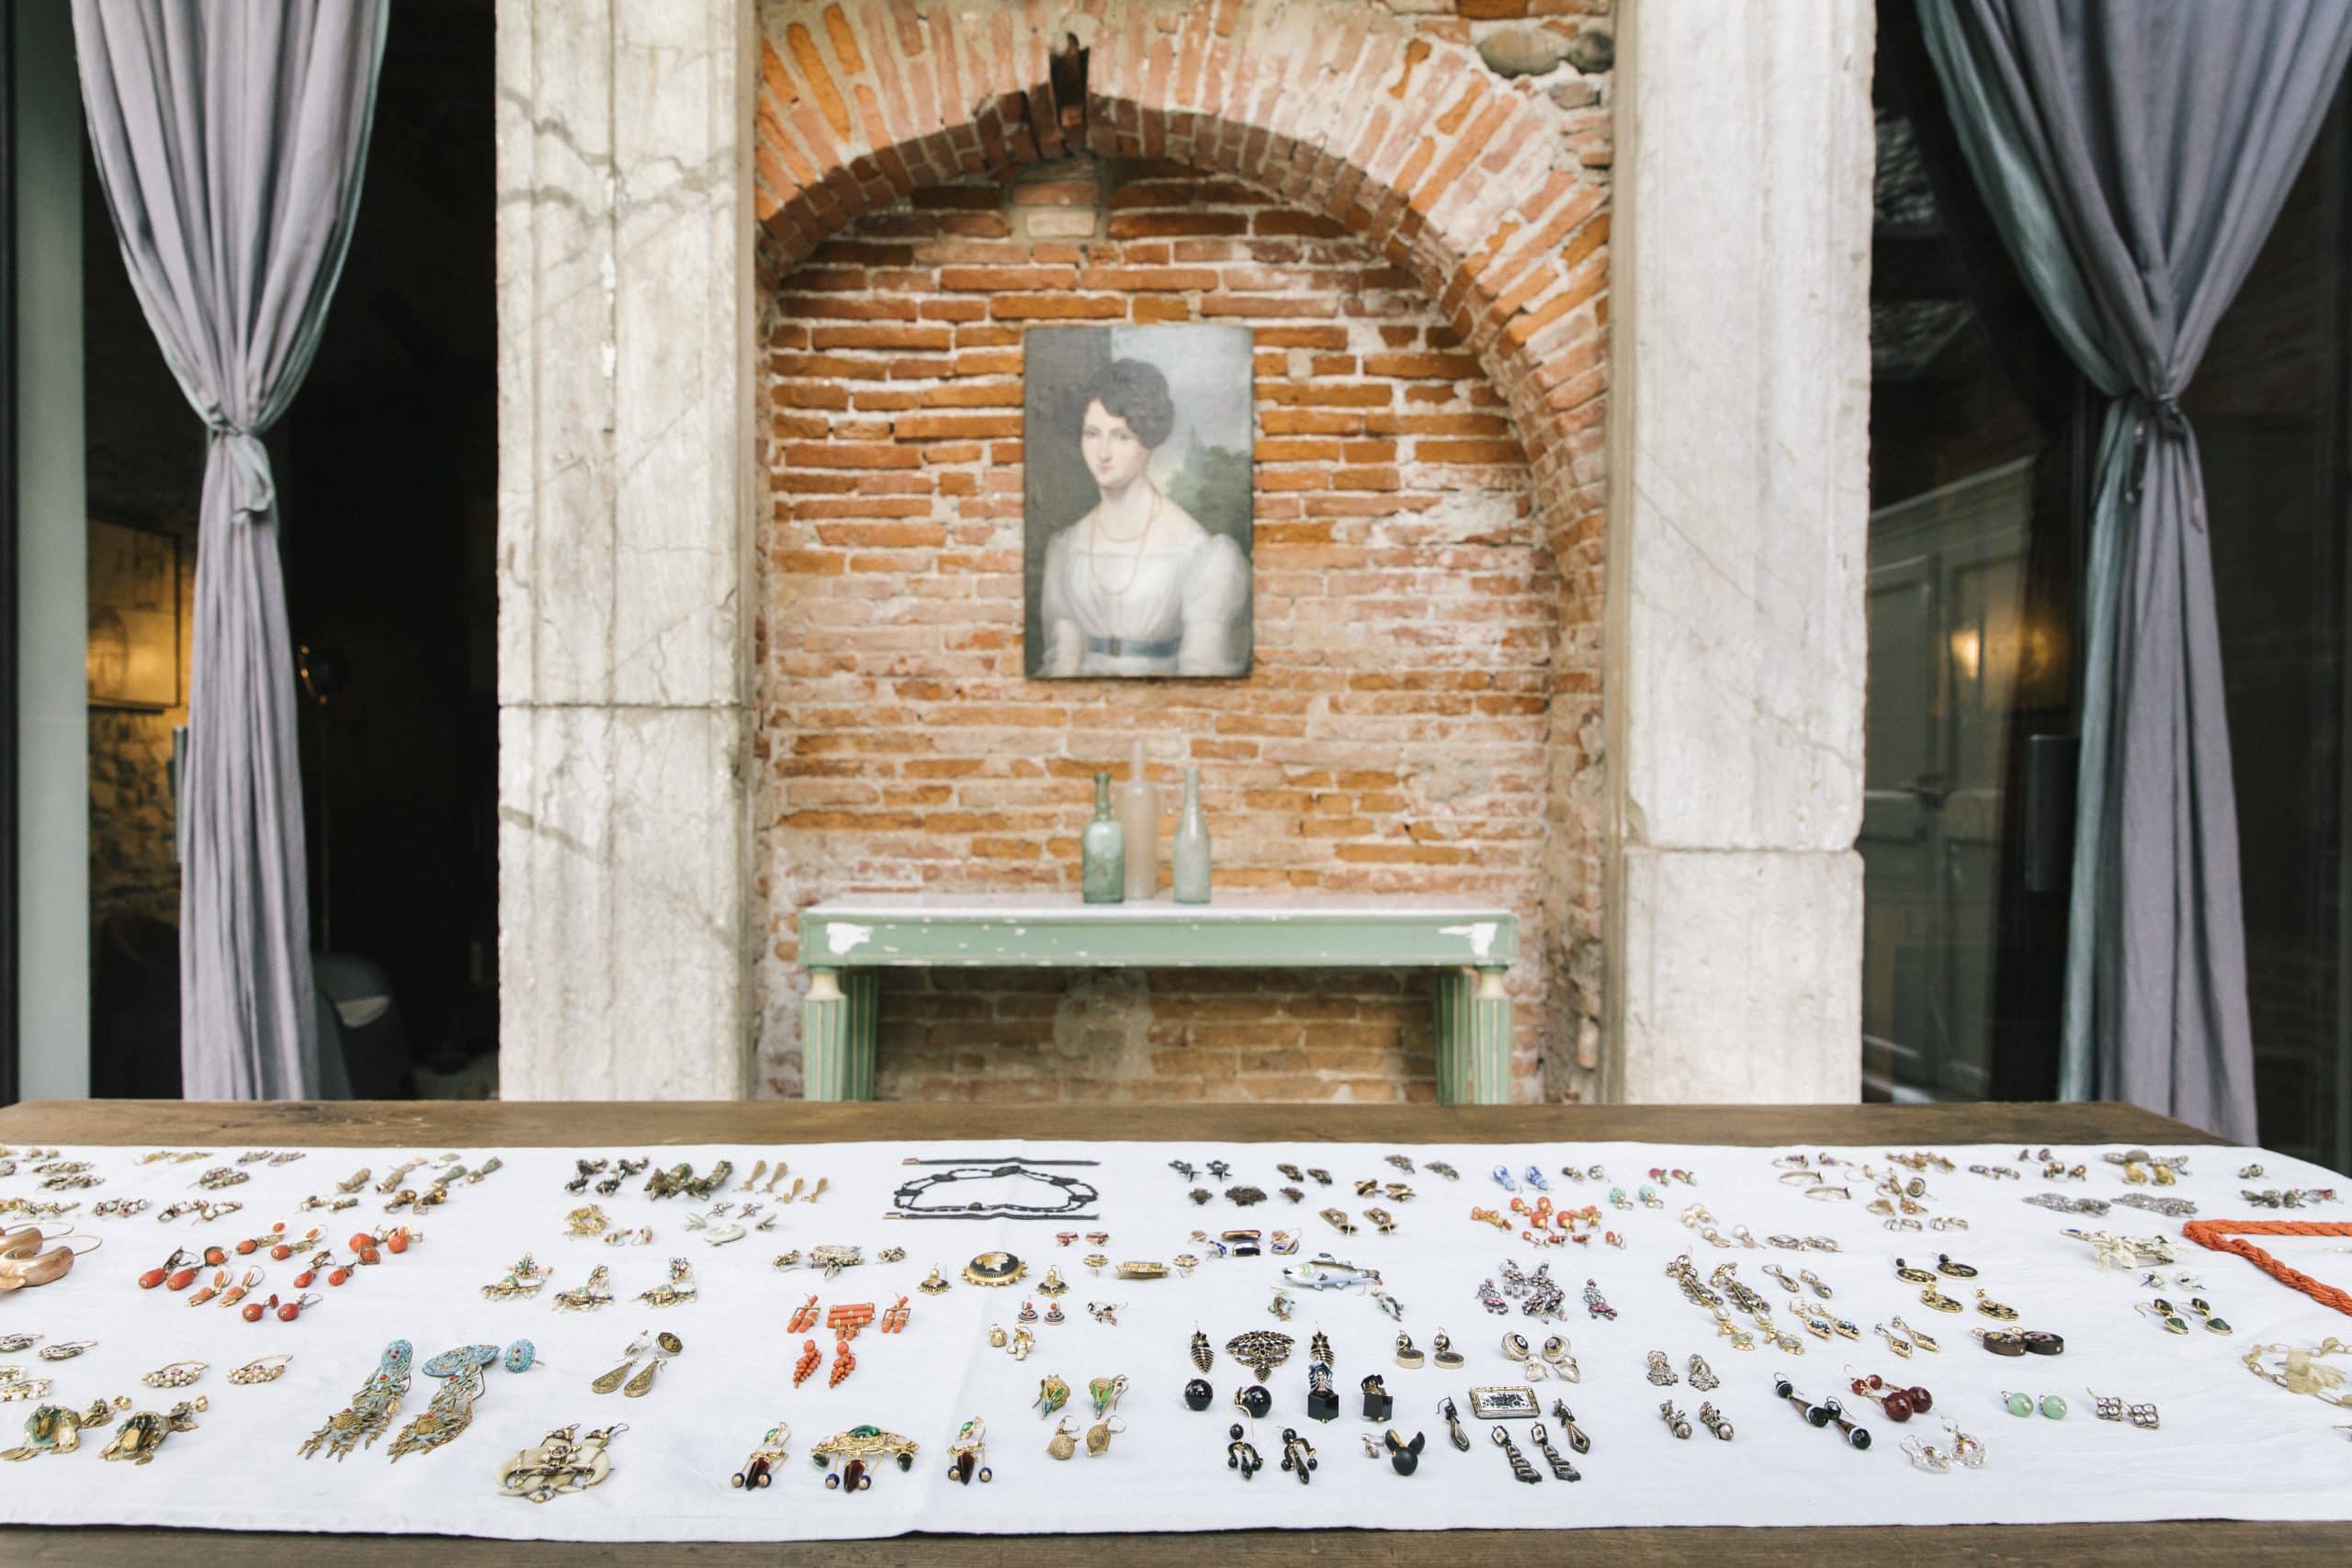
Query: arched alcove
[1333, 127]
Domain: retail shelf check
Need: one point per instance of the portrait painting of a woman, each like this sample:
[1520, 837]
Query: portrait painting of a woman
[1136, 585]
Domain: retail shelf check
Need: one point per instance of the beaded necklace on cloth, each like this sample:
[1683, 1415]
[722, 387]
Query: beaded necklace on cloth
[2218, 1234]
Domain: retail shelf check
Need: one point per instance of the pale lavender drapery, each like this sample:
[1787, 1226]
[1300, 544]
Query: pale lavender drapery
[2134, 154]
[229, 139]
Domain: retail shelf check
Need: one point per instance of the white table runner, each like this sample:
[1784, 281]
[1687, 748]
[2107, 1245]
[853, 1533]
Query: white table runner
[2229, 1446]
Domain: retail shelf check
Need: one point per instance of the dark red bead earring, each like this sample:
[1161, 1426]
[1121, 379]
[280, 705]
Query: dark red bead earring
[1899, 1403]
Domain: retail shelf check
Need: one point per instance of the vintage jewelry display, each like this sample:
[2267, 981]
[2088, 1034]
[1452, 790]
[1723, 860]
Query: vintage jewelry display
[1508, 1402]
[758, 1469]
[1404, 1456]
[360, 1423]
[2108, 1408]
[1520, 1469]
[1827, 1413]
[2298, 1370]
[1452, 1418]
[596, 1292]
[1072, 1197]
[995, 1270]
[847, 1458]
[1239, 1455]
[142, 1433]
[57, 1429]
[675, 1291]
[1299, 1455]
[968, 1454]
[262, 1369]
[562, 1462]
[452, 1408]
[1899, 1403]
[1261, 1349]
[680, 1181]
[522, 1281]
[1324, 1272]
[179, 1375]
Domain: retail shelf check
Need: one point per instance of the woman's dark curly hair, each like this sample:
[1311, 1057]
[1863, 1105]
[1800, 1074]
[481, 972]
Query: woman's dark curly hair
[1134, 390]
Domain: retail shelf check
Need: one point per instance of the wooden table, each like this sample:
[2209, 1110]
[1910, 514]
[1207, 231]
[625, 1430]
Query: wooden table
[845, 944]
[451, 1125]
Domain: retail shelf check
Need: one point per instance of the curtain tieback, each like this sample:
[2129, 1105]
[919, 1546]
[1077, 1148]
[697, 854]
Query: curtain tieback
[2165, 414]
[253, 490]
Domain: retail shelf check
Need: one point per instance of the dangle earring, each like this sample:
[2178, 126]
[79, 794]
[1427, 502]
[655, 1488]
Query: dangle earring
[665, 1345]
[522, 1280]
[772, 1452]
[1562, 1470]
[619, 1375]
[452, 1410]
[968, 1455]
[677, 1290]
[139, 1435]
[371, 1410]
[595, 1292]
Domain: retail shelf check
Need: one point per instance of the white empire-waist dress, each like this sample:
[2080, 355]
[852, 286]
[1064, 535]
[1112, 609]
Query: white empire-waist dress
[1178, 607]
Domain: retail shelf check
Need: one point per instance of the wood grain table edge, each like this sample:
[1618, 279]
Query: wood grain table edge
[399, 1123]
[2187, 1544]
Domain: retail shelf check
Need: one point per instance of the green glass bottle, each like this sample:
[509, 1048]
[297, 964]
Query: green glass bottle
[1103, 850]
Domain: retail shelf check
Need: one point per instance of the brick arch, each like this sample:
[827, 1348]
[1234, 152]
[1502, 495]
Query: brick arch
[1482, 191]
[1393, 126]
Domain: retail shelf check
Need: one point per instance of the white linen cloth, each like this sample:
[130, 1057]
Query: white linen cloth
[2229, 1446]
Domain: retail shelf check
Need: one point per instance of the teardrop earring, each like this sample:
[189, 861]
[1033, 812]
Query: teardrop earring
[619, 1374]
[665, 1345]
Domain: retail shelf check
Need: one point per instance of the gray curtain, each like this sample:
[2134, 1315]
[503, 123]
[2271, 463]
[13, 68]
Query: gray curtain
[2134, 154]
[229, 139]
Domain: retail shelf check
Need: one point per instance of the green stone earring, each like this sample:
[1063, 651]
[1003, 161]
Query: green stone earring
[2053, 1407]
[2203, 1310]
[2019, 1403]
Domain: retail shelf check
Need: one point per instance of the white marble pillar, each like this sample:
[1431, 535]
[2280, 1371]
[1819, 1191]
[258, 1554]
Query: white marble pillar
[626, 336]
[1739, 406]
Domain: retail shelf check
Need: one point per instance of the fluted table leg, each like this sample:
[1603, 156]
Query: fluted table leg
[1473, 1038]
[837, 1034]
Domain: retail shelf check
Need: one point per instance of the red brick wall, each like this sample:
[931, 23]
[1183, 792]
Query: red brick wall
[1426, 677]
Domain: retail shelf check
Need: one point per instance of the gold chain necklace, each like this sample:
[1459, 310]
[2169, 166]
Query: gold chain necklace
[1135, 569]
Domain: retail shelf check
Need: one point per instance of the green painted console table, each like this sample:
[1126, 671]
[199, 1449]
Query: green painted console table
[845, 944]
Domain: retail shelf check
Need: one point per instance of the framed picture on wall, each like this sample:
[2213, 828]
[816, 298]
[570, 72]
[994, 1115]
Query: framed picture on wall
[134, 597]
[1136, 450]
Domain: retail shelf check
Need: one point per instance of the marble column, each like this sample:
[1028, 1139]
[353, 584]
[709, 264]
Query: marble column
[1738, 465]
[625, 341]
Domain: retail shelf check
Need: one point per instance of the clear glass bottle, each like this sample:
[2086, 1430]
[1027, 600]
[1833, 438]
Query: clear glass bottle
[1190, 850]
[1103, 850]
